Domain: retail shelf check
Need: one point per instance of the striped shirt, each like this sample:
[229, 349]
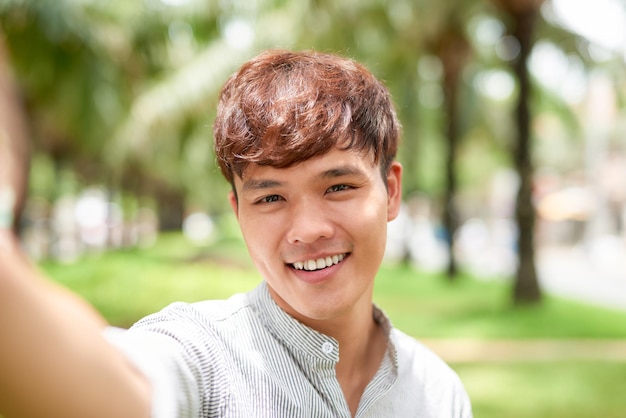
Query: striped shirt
[246, 357]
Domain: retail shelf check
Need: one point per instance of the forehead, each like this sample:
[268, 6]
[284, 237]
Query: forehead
[334, 163]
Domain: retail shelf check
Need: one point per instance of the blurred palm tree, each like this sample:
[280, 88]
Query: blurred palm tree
[449, 43]
[521, 16]
[81, 66]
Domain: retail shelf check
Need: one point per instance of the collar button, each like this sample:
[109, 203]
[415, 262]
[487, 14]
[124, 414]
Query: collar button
[327, 347]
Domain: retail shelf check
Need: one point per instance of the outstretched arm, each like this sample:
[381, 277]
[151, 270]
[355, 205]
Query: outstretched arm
[54, 361]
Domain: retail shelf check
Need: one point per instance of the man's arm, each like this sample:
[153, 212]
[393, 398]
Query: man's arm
[54, 361]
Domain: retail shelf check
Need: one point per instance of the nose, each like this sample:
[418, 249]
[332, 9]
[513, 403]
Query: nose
[310, 221]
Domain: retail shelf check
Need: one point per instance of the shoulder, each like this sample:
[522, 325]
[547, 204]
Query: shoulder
[421, 370]
[410, 349]
[184, 349]
[416, 358]
[198, 314]
[186, 329]
[195, 330]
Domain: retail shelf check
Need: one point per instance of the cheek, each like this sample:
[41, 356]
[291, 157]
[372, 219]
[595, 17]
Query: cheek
[261, 237]
[372, 212]
[260, 251]
[371, 222]
[254, 235]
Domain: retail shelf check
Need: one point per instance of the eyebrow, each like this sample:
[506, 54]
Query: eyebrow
[344, 170]
[253, 184]
[335, 172]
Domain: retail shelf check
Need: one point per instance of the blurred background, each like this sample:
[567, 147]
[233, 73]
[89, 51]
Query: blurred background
[514, 149]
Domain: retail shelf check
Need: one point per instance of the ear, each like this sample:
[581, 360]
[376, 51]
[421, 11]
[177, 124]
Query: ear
[232, 199]
[394, 190]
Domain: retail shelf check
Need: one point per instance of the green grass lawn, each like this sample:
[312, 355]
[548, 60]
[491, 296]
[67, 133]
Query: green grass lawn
[430, 306]
[126, 285]
[546, 390]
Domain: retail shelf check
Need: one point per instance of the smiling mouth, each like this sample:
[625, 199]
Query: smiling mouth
[319, 263]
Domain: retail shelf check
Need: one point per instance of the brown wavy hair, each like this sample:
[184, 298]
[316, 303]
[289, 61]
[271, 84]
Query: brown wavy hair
[284, 107]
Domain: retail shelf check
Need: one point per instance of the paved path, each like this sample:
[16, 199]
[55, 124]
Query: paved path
[494, 351]
[576, 274]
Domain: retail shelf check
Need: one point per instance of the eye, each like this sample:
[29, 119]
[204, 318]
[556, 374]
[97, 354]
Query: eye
[338, 188]
[270, 199]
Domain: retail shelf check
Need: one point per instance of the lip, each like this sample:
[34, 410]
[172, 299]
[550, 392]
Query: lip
[318, 276]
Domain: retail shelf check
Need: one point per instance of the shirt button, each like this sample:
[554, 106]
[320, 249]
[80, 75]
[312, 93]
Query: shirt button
[327, 347]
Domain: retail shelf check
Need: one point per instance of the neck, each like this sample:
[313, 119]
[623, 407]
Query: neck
[362, 345]
[353, 328]
[361, 354]
[361, 340]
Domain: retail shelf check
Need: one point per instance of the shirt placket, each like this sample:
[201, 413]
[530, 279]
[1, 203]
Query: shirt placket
[327, 384]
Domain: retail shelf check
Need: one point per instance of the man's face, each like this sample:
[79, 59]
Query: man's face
[317, 231]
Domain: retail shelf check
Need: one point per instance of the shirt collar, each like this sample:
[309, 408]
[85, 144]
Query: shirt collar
[290, 331]
[382, 320]
[293, 333]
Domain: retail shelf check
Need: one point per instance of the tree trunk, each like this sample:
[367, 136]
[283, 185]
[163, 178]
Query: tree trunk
[14, 148]
[526, 288]
[171, 209]
[450, 213]
[452, 50]
[170, 201]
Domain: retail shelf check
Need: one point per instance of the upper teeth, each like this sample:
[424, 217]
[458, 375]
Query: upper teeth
[320, 263]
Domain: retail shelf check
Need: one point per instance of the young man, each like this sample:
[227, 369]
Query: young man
[308, 142]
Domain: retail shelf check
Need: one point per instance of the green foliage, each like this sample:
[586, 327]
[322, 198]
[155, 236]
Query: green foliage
[124, 92]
